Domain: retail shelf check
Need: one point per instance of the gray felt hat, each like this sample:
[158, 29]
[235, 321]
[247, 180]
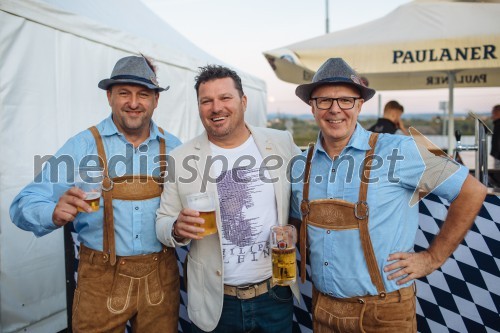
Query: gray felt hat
[334, 70]
[134, 70]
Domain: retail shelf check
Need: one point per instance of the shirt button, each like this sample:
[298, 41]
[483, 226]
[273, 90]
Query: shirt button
[333, 169]
[136, 208]
[219, 273]
[326, 263]
[328, 231]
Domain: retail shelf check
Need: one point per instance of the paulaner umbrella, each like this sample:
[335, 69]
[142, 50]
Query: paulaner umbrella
[424, 44]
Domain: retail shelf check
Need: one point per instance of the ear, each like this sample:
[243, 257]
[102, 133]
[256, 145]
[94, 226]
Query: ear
[360, 104]
[157, 98]
[244, 102]
[312, 107]
[108, 93]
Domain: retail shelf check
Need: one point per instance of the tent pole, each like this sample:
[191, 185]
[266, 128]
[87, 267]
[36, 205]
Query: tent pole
[327, 23]
[379, 111]
[451, 120]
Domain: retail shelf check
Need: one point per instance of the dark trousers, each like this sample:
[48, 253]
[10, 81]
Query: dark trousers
[268, 313]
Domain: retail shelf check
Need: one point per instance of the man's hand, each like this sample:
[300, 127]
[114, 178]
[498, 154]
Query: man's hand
[187, 225]
[410, 266]
[67, 206]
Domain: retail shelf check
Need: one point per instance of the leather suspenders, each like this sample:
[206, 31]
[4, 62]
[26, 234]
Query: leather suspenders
[130, 187]
[339, 214]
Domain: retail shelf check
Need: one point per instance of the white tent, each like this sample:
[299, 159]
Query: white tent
[424, 44]
[53, 53]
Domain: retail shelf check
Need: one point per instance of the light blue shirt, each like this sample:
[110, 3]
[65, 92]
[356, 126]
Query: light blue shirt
[134, 221]
[337, 261]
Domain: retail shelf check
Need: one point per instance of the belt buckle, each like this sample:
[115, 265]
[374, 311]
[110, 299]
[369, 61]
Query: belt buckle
[246, 288]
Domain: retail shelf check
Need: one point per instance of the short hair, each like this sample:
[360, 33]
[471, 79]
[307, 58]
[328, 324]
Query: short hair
[213, 72]
[393, 105]
[496, 108]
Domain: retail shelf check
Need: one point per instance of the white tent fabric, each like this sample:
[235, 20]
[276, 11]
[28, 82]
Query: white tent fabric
[53, 53]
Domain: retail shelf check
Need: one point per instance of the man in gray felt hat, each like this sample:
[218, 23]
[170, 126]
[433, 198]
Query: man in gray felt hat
[354, 199]
[124, 272]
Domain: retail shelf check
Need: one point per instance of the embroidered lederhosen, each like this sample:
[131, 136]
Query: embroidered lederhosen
[111, 289]
[356, 314]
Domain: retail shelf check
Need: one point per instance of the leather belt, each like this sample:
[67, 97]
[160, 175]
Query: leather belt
[393, 296]
[250, 290]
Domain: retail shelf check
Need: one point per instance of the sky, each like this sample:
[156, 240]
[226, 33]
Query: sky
[238, 31]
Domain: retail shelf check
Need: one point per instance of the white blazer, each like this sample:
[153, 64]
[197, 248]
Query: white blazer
[205, 267]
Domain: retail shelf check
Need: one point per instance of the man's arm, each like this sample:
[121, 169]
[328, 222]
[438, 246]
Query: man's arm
[50, 200]
[461, 215]
[167, 230]
[295, 222]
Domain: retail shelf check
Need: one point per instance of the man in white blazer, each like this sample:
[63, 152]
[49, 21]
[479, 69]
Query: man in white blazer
[229, 273]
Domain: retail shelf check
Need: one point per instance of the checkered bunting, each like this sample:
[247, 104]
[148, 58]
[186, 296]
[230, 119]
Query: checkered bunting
[462, 296]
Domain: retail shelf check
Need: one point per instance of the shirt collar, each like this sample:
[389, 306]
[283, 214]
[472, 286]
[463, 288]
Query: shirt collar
[359, 140]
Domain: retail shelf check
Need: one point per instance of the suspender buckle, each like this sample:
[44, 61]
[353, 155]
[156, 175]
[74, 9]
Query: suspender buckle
[361, 211]
[107, 183]
[304, 207]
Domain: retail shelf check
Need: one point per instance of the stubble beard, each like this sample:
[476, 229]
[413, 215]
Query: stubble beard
[218, 133]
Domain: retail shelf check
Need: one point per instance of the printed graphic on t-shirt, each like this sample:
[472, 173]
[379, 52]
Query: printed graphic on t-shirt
[247, 207]
[241, 229]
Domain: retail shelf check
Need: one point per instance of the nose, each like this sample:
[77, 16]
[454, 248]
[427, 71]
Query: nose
[134, 101]
[217, 106]
[335, 108]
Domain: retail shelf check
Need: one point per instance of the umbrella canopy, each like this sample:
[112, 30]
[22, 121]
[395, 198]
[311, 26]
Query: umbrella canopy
[419, 45]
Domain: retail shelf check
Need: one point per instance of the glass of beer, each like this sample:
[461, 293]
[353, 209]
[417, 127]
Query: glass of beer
[89, 180]
[204, 203]
[283, 239]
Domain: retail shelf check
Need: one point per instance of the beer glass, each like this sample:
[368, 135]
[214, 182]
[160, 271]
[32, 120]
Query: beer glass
[204, 203]
[89, 180]
[283, 239]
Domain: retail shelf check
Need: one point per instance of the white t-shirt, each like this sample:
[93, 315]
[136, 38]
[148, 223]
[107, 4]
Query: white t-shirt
[248, 210]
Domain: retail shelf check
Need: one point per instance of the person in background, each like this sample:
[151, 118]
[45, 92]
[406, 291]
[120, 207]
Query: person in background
[355, 200]
[229, 282]
[391, 122]
[124, 272]
[495, 138]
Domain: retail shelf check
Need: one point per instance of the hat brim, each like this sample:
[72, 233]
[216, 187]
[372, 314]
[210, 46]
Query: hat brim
[304, 90]
[106, 83]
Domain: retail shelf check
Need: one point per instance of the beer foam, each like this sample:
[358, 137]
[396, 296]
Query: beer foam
[92, 195]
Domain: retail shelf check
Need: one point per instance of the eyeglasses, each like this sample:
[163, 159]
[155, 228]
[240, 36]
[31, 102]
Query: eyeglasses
[344, 103]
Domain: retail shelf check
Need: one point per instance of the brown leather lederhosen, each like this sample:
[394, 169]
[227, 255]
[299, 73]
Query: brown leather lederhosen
[113, 289]
[336, 214]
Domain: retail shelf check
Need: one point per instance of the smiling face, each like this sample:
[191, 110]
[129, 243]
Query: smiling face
[222, 112]
[132, 108]
[336, 125]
